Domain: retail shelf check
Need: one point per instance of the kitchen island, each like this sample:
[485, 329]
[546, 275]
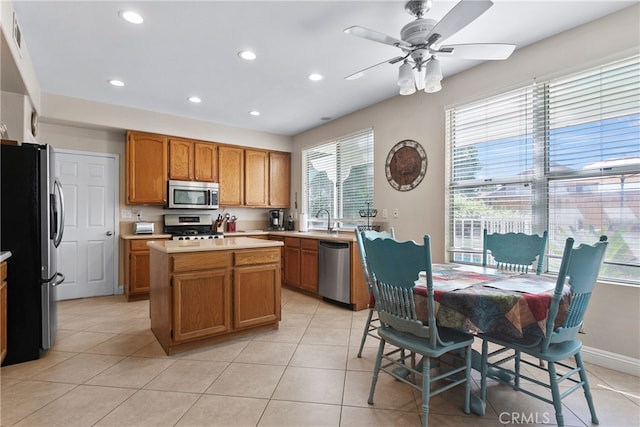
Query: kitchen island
[205, 291]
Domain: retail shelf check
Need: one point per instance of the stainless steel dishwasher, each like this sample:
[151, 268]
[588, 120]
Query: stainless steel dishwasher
[334, 268]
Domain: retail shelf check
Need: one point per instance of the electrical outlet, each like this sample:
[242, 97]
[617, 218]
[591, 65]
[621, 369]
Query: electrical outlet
[395, 213]
[385, 213]
[126, 214]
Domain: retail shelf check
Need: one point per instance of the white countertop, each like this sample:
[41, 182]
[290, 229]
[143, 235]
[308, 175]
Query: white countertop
[5, 255]
[343, 236]
[182, 246]
[144, 236]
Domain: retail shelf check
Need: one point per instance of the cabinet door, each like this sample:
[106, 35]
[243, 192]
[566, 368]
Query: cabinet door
[231, 173]
[146, 168]
[201, 304]
[256, 177]
[292, 261]
[206, 162]
[181, 155]
[138, 273]
[256, 295]
[309, 265]
[279, 180]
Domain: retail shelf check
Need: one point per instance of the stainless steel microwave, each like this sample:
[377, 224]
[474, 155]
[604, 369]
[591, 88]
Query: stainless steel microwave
[193, 195]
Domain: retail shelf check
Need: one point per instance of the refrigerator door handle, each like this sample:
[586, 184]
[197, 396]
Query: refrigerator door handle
[58, 226]
[59, 278]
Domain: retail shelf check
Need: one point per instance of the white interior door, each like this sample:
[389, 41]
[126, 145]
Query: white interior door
[88, 257]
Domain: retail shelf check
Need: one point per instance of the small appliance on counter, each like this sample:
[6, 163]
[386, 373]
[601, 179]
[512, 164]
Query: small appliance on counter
[142, 227]
[276, 219]
[290, 224]
[190, 227]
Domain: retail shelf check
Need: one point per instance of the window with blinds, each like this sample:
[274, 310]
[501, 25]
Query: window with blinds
[338, 176]
[561, 155]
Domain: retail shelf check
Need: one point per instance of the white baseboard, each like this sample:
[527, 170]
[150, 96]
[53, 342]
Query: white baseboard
[617, 362]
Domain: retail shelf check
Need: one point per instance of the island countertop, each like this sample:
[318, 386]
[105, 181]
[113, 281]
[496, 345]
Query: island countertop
[182, 246]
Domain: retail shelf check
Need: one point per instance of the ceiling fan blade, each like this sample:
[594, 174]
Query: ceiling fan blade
[390, 61]
[484, 51]
[376, 36]
[462, 14]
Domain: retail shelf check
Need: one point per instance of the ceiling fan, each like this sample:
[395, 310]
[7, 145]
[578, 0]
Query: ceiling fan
[420, 42]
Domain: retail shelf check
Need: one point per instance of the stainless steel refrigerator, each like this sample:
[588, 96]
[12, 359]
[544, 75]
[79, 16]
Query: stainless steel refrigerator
[32, 225]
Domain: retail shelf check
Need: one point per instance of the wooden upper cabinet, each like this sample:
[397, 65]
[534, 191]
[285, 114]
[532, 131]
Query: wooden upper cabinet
[231, 175]
[205, 165]
[192, 160]
[146, 168]
[279, 179]
[181, 157]
[256, 177]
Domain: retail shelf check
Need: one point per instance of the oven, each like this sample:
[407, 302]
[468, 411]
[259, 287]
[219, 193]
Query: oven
[193, 195]
[190, 227]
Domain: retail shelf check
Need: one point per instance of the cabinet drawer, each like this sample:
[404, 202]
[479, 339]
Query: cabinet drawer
[138, 245]
[309, 244]
[292, 241]
[200, 261]
[252, 257]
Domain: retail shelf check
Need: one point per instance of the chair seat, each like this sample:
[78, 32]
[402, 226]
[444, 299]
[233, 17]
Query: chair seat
[555, 352]
[454, 339]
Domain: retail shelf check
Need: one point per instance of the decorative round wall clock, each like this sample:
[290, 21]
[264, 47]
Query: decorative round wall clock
[406, 165]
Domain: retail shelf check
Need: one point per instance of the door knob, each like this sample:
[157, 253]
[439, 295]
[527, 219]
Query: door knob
[109, 233]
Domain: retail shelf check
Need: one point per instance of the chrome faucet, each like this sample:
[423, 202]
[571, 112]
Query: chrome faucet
[329, 229]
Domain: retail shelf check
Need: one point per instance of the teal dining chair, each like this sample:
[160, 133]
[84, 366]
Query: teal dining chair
[372, 324]
[394, 268]
[581, 266]
[515, 251]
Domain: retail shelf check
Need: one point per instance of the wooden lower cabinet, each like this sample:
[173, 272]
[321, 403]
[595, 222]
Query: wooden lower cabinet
[201, 304]
[136, 269]
[309, 265]
[3, 310]
[203, 297]
[301, 263]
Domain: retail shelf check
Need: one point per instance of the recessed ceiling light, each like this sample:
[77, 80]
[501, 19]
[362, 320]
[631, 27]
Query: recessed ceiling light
[254, 113]
[194, 99]
[117, 83]
[131, 16]
[247, 55]
[315, 77]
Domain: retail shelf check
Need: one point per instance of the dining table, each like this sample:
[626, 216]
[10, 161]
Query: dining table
[486, 300]
[480, 300]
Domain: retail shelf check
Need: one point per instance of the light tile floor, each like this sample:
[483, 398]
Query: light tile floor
[107, 369]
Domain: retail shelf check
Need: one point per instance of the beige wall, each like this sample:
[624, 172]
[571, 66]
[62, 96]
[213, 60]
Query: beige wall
[421, 117]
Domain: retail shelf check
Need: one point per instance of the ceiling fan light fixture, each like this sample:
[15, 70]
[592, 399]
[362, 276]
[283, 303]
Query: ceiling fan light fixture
[407, 90]
[433, 86]
[433, 71]
[405, 75]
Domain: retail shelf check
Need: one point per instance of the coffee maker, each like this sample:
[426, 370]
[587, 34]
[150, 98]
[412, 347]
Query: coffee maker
[276, 219]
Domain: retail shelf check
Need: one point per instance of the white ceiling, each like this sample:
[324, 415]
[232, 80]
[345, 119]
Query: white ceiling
[190, 48]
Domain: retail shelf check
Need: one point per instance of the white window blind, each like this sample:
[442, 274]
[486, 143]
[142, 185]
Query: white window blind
[593, 141]
[338, 176]
[561, 155]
